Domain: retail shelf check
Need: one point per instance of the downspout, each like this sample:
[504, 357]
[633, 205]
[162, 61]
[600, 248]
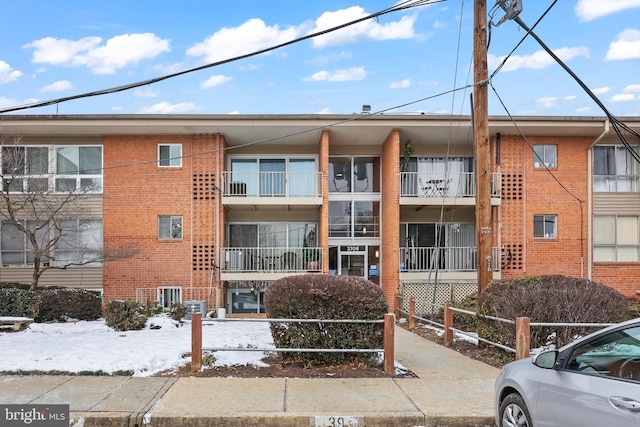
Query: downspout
[590, 200]
[217, 240]
[191, 228]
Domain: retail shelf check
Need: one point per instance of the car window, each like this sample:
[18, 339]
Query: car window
[615, 354]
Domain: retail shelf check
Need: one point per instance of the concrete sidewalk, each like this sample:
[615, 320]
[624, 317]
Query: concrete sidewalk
[451, 390]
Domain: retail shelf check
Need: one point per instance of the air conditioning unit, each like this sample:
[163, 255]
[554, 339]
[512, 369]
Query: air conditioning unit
[195, 307]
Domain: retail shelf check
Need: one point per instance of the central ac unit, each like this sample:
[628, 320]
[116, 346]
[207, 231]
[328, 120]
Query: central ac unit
[195, 307]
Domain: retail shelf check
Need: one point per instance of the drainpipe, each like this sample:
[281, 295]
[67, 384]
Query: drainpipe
[590, 200]
[217, 197]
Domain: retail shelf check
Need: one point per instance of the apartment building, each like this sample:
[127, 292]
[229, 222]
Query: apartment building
[214, 208]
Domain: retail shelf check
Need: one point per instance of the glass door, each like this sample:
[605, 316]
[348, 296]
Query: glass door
[353, 261]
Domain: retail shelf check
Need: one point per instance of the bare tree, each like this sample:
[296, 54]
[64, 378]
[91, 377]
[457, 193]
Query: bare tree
[42, 220]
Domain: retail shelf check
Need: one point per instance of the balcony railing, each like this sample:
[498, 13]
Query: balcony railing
[272, 184]
[419, 259]
[438, 185]
[272, 259]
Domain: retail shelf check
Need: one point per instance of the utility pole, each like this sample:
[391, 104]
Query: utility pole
[482, 150]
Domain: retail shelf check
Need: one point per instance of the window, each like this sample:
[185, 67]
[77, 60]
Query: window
[544, 156]
[79, 168]
[170, 227]
[438, 176]
[616, 238]
[16, 249]
[169, 295]
[170, 155]
[80, 242]
[273, 177]
[615, 354]
[358, 174]
[354, 218]
[25, 169]
[615, 169]
[545, 226]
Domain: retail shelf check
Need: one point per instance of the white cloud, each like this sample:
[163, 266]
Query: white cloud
[345, 75]
[7, 102]
[623, 97]
[626, 46]
[57, 86]
[368, 29]
[569, 97]
[118, 52]
[167, 108]
[214, 81]
[251, 36]
[537, 60]
[324, 111]
[403, 84]
[547, 102]
[146, 93]
[583, 109]
[7, 74]
[234, 112]
[601, 90]
[588, 10]
[634, 88]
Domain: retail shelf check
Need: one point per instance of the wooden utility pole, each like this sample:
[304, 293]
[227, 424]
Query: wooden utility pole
[482, 149]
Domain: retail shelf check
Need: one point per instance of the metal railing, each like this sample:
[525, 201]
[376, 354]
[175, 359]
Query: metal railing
[418, 259]
[272, 184]
[272, 259]
[440, 184]
[197, 348]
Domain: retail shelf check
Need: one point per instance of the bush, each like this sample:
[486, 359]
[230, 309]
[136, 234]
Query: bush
[127, 315]
[318, 296]
[549, 299]
[50, 304]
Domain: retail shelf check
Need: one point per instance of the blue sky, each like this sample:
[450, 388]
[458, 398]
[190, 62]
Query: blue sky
[61, 48]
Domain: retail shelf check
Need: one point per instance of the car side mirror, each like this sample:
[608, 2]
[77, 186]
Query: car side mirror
[546, 359]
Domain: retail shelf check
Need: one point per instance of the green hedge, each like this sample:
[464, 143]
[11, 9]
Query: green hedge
[50, 304]
[318, 296]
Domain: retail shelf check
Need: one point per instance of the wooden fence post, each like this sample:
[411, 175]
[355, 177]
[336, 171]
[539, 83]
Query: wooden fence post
[523, 337]
[398, 303]
[196, 342]
[412, 312]
[448, 323]
[389, 345]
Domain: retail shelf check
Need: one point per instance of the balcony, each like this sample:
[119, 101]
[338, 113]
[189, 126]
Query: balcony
[422, 188]
[446, 259]
[272, 188]
[253, 263]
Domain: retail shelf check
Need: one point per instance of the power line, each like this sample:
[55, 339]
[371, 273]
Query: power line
[407, 4]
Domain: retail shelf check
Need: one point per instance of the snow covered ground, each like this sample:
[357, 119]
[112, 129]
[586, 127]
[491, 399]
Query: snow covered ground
[93, 346]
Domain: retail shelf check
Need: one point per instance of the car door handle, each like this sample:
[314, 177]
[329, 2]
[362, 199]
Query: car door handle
[625, 403]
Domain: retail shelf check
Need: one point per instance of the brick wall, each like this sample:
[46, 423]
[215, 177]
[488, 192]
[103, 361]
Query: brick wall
[390, 221]
[137, 191]
[528, 192]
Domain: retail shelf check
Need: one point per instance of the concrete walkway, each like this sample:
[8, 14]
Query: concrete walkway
[451, 390]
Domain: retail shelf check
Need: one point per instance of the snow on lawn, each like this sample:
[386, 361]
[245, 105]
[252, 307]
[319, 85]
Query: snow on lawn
[93, 346]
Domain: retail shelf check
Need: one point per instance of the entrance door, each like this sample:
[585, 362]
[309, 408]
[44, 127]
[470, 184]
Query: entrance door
[353, 261]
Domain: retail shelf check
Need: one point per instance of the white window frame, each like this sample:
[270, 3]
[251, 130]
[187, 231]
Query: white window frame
[174, 160]
[546, 219]
[169, 295]
[175, 223]
[89, 182]
[622, 244]
[83, 232]
[540, 154]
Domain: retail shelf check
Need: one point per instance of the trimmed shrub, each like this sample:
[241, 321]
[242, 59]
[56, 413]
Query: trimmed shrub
[549, 299]
[17, 302]
[127, 315]
[50, 304]
[319, 296]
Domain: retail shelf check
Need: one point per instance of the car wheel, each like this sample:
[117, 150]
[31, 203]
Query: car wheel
[514, 412]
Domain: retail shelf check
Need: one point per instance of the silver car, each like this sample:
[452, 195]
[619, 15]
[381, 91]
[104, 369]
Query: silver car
[594, 381]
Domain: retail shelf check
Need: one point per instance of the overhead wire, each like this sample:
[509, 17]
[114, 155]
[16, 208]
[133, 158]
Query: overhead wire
[404, 5]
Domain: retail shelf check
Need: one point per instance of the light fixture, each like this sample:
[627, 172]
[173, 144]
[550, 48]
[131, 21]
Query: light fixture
[364, 230]
[377, 254]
